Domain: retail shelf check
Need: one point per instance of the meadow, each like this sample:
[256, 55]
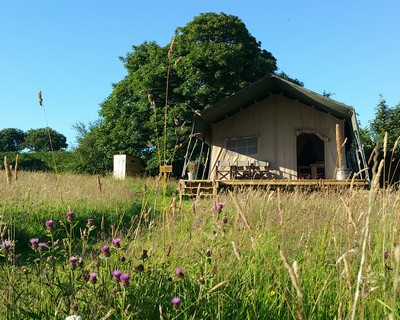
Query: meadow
[103, 248]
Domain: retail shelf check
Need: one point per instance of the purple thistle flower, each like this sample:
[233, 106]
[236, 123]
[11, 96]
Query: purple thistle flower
[70, 216]
[50, 225]
[93, 278]
[90, 222]
[34, 243]
[140, 268]
[73, 260]
[179, 272]
[116, 275]
[176, 302]
[6, 246]
[124, 278]
[116, 242]
[386, 255]
[105, 250]
[41, 246]
[219, 206]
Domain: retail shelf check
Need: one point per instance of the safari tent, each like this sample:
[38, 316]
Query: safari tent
[281, 124]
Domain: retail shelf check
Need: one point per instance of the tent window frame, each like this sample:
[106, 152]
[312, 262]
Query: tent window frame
[248, 145]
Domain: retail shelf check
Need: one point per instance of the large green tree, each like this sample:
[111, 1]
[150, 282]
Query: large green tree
[387, 119]
[149, 112]
[11, 139]
[89, 156]
[39, 140]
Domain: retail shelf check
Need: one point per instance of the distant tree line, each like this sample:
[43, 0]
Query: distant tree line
[43, 139]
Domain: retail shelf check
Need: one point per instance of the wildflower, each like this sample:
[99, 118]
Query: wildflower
[176, 302]
[105, 250]
[116, 275]
[386, 255]
[93, 278]
[50, 225]
[144, 254]
[80, 262]
[6, 246]
[219, 206]
[72, 261]
[41, 246]
[70, 216]
[140, 268]
[272, 293]
[34, 243]
[116, 242]
[124, 278]
[179, 272]
[73, 317]
[90, 222]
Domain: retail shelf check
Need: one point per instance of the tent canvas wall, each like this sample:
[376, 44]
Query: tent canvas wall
[280, 122]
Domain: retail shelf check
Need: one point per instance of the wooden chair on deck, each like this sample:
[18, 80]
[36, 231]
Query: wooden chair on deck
[223, 170]
[260, 170]
[241, 170]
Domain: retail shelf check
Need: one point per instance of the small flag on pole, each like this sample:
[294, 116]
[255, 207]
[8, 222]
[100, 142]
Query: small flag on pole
[40, 98]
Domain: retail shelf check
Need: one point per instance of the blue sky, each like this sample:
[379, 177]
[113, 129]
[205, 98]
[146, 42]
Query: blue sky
[70, 50]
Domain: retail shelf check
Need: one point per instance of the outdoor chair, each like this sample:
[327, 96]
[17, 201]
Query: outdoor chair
[223, 170]
[241, 170]
[260, 170]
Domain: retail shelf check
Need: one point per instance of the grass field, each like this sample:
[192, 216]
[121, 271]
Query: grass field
[107, 249]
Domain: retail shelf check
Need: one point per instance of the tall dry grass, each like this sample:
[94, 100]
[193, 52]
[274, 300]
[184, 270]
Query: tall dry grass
[266, 254]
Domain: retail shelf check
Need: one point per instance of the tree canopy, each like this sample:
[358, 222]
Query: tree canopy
[149, 112]
[387, 119]
[11, 139]
[386, 122]
[39, 140]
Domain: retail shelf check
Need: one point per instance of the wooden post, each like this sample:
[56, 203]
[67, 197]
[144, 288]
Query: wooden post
[7, 170]
[165, 170]
[16, 168]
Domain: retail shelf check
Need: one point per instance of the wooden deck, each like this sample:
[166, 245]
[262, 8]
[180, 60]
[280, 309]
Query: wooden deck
[201, 188]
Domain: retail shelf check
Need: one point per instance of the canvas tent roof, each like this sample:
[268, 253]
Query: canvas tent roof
[261, 89]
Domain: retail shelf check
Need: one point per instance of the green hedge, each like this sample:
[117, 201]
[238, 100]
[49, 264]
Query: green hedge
[63, 161]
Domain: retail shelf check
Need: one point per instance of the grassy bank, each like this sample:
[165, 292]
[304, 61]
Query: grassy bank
[245, 255]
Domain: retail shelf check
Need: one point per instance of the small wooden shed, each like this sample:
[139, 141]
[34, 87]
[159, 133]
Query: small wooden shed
[126, 166]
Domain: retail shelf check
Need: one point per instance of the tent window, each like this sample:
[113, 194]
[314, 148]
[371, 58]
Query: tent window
[245, 145]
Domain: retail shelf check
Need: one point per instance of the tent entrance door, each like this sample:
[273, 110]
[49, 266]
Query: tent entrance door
[310, 156]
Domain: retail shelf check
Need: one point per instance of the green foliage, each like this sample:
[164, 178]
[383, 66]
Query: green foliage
[297, 81]
[367, 142]
[149, 112]
[387, 120]
[217, 57]
[42, 161]
[91, 156]
[39, 140]
[11, 139]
